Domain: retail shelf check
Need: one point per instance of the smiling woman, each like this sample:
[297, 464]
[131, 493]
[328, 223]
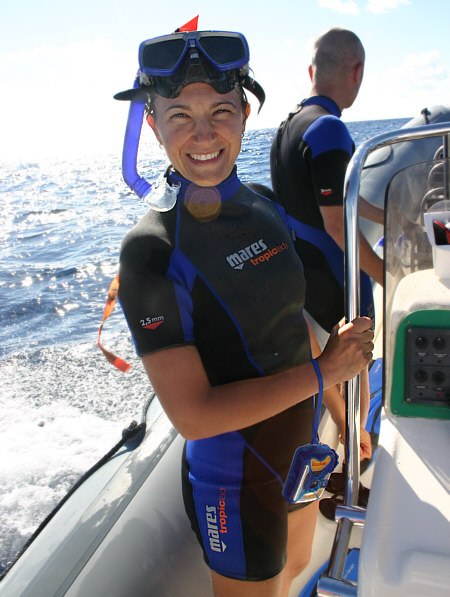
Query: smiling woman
[229, 307]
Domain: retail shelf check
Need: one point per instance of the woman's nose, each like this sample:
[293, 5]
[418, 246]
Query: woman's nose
[204, 130]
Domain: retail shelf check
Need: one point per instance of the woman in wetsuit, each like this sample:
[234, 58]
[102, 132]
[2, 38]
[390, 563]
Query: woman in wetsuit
[213, 293]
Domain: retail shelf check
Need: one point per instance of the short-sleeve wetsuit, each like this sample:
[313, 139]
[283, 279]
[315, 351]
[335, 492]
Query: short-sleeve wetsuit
[309, 157]
[234, 288]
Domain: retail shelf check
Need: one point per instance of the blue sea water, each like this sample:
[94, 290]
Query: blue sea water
[62, 406]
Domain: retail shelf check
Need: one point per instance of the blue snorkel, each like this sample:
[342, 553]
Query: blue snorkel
[137, 183]
[161, 198]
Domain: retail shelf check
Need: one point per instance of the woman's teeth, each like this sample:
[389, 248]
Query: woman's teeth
[202, 157]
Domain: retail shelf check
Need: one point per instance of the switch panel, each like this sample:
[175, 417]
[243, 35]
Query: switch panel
[427, 373]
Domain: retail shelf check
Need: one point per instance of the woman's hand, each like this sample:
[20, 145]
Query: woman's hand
[347, 352]
[365, 443]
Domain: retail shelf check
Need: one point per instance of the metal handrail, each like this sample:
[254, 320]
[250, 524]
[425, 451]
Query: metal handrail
[331, 583]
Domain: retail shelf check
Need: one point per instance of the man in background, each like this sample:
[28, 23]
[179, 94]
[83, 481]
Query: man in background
[309, 157]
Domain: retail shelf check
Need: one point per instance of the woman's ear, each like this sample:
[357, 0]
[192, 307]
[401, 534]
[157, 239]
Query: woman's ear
[246, 114]
[152, 125]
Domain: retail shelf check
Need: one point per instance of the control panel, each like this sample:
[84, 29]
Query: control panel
[427, 372]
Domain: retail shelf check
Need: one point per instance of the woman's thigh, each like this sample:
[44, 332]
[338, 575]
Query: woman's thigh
[230, 587]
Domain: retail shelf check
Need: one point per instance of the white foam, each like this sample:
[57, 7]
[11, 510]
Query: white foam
[44, 451]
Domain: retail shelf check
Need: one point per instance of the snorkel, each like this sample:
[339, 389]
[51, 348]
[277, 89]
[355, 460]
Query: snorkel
[166, 65]
[137, 183]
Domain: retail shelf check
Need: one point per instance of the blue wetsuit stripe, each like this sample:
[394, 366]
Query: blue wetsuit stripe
[182, 275]
[324, 101]
[217, 502]
[334, 136]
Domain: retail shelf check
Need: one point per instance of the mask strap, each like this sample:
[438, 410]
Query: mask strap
[254, 87]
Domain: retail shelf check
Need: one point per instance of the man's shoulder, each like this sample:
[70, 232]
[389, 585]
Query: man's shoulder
[325, 120]
[327, 133]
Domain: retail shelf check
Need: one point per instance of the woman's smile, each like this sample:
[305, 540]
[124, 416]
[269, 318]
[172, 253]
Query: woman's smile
[203, 157]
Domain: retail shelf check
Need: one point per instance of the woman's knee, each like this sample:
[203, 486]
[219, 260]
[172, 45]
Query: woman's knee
[301, 527]
[297, 562]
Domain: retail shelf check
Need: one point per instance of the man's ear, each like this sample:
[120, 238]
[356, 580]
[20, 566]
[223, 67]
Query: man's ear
[358, 72]
[152, 125]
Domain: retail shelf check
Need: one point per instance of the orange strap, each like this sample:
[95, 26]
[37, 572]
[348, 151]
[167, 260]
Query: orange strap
[110, 302]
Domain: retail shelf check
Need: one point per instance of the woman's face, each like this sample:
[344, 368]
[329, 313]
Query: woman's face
[201, 131]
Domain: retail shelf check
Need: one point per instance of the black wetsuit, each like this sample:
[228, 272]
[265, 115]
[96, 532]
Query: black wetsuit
[309, 157]
[234, 288]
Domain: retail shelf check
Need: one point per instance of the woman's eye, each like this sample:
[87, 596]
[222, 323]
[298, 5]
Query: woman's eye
[179, 115]
[220, 111]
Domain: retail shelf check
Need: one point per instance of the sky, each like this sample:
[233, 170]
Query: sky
[61, 61]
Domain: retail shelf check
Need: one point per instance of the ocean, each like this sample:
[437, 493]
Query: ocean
[62, 405]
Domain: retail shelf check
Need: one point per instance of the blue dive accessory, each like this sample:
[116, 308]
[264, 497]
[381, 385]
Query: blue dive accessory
[170, 62]
[162, 56]
[312, 464]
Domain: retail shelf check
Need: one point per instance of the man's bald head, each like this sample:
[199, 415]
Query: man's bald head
[338, 56]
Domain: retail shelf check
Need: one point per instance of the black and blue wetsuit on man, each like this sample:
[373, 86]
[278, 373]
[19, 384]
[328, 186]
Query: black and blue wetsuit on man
[239, 300]
[309, 156]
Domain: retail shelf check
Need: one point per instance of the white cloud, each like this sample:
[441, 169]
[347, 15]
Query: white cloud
[425, 69]
[343, 6]
[351, 6]
[402, 90]
[422, 70]
[60, 98]
[383, 6]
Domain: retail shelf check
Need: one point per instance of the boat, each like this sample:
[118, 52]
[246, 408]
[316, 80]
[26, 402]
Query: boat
[405, 543]
[123, 530]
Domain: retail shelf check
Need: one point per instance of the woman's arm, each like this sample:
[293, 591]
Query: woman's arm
[370, 211]
[199, 410]
[335, 404]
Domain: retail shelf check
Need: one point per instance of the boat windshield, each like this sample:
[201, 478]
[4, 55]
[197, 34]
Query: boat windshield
[416, 196]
